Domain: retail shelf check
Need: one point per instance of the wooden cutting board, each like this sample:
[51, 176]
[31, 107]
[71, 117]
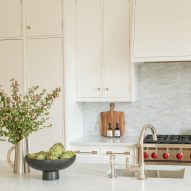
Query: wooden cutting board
[112, 117]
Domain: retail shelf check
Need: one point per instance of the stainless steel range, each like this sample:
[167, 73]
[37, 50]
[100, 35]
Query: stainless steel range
[168, 149]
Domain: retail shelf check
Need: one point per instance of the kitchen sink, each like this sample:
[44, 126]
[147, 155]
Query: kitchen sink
[165, 173]
[177, 174]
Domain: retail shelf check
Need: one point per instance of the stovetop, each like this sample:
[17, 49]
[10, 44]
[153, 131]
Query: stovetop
[169, 139]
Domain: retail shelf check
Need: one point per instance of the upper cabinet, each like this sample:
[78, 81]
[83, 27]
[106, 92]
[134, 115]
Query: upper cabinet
[103, 61]
[89, 63]
[116, 52]
[44, 17]
[10, 18]
[161, 30]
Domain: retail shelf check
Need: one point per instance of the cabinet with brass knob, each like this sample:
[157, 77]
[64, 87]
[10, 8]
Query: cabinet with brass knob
[103, 68]
[44, 18]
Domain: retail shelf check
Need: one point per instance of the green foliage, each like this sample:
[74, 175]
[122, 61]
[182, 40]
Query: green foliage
[22, 115]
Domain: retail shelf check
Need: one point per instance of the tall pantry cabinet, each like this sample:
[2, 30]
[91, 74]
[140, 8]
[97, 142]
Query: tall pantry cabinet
[11, 46]
[31, 51]
[11, 50]
[44, 26]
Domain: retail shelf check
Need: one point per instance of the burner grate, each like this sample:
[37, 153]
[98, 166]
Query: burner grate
[169, 139]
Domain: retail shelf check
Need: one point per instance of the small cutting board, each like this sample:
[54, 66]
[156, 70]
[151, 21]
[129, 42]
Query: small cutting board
[112, 117]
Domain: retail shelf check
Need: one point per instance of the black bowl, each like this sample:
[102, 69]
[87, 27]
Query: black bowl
[50, 168]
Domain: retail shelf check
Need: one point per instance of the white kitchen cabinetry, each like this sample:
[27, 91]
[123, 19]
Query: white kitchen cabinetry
[103, 66]
[44, 18]
[44, 32]
[11, 63]
[31, 51]
[89, 68]
[161, 30]
[11, 66]
[45, 67]
[10, 18]
[116, 52]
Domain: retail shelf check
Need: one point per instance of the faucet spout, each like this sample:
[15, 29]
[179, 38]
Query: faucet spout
[141, 148]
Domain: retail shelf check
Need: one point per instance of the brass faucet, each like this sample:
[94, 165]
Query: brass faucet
[141, 149]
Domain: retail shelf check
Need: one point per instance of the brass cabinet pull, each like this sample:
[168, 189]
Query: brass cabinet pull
[85, 152]
[112, 153]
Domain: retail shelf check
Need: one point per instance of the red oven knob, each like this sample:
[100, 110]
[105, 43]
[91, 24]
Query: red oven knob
[179, 156]
[166, 155]
[154, 155]
[146, 155]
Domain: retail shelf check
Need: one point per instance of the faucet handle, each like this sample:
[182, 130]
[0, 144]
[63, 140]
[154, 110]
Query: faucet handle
[127, 162]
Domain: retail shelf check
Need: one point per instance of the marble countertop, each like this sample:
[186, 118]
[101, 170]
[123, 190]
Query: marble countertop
[88, 177]
[101, 141]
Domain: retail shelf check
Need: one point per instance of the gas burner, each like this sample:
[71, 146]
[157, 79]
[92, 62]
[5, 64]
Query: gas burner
[169, 139]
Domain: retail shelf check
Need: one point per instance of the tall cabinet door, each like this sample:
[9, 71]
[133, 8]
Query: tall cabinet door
[89, 70]
[44, 17]
[10, 18]
[11, 66]
[11, 62]
[116, 48]
[45, 68]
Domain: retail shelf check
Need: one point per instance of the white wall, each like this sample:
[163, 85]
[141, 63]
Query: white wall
[73, 110]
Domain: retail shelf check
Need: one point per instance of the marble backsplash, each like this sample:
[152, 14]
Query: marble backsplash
[164, 100]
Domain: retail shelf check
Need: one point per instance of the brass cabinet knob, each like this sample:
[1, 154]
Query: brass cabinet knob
[107, 89]
[99, 89]
[28, 27]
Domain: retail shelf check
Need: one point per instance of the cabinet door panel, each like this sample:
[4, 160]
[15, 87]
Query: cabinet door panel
[45, 69]
[89, 48]
[11, 66]
[116, 48]
[10, 18]
[11, 62]
[162, 29]
[44, 17]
